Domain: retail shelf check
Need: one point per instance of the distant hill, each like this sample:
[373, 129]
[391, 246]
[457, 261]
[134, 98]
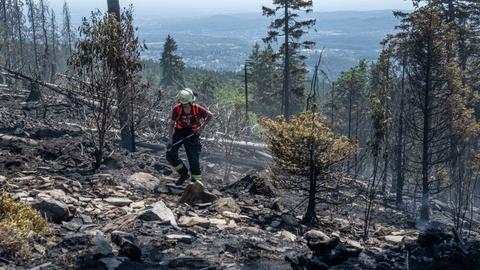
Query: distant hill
[222, 42]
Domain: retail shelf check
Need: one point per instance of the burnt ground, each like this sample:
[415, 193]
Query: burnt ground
[108, 219]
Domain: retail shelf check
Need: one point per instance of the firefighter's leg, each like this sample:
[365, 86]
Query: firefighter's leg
[174, 160]
[193, 149]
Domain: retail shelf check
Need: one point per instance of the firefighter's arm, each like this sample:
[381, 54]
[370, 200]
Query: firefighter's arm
[205, 122]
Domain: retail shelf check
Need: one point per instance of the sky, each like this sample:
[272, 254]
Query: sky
[209, 7]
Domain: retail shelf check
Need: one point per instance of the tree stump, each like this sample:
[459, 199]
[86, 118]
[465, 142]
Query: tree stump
[196, 193]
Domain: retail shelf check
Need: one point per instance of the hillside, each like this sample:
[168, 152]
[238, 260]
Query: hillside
[222, 42]
[127, 215]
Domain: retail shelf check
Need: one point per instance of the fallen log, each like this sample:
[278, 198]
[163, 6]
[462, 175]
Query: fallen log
[53, 87]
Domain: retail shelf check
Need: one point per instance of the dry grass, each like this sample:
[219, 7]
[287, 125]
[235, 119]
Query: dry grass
[19, 223]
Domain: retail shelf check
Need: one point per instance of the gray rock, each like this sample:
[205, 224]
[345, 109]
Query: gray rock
[319, 242]
[118, 237]
[275, 223]
[188, 263]
[143, 181]
[353, 248]
[86, 219]
[396, 239]
[162, 189]
[343, 252]
[159, 212]
[185, 221]
[179, 238]
[227, 204]
[127, 245]
[286, 235]
[118, 201]
[72, 241]
[290, 220]
[54, 210]
[130, 250]
[102, 248]
[112, 263]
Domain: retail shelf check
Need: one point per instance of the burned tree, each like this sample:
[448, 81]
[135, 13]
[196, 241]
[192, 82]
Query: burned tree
[436, 96]
[304, 138]
[107, 64]
[67, 31]
[125, 113]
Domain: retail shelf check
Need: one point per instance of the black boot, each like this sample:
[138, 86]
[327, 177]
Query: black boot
[182, 179]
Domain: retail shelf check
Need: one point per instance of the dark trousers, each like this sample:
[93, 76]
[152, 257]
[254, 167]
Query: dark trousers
[192, 148]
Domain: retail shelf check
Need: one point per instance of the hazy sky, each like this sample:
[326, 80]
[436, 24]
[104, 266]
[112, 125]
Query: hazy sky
[206, 7]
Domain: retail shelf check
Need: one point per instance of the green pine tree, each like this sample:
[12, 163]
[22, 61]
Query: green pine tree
[289, 26]
[172, 65]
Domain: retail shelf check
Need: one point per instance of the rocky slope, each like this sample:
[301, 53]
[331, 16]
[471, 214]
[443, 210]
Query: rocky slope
[128, 215]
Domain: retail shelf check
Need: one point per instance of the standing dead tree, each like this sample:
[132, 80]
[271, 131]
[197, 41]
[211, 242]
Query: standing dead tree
[107, 66]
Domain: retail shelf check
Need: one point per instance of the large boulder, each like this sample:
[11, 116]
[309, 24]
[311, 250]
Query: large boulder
[54, 210]
[143, 181]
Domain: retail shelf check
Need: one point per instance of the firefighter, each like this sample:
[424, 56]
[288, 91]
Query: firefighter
[187, 123]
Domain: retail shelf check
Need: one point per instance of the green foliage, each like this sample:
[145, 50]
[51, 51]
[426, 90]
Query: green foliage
[21, 218]
[265, 75]
[19, 223]
[290, 142]
[349, 106]
[172, 65]
[379, 110]
[288, 24]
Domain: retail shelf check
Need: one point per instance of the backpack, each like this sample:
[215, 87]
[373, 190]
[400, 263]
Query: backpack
[179, 109]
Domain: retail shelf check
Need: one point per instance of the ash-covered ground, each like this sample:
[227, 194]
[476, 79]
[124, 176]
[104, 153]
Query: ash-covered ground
[127, 214]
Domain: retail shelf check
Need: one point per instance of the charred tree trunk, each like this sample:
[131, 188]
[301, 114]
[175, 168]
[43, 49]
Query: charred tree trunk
[46, 54]
[349, 131]
[54, 46]
[127, 132]
[426, 158]
[6, 34]
[399, 145]
[310, 215]
[19, 22]
[114, 8]
[35, 94]
[286, 79]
